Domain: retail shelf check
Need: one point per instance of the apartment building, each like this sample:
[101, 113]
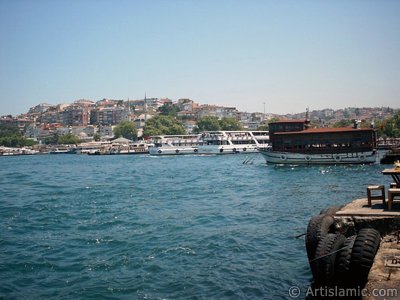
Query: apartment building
[217, 111]
[75, 115]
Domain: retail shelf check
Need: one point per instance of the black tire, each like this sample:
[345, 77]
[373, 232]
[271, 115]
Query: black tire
[331, 210]
[323, 266]
[317, 228]
[342, 264]
[363, 254]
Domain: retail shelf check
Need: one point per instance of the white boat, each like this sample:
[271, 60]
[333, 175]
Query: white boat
[10, 151]
[210, 142]
[175, 144]
[140, 148]
[63, 150]
[233, 142]
[294, 143]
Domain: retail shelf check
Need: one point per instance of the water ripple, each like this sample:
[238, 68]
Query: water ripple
[123, 227]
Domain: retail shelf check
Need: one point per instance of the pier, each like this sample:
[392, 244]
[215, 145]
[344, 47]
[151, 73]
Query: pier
[355, 248]
[388, 143]
[385, 271]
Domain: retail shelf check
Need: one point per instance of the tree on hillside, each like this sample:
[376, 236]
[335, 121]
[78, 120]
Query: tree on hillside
[343, 123]
[208, 123]
[68, 139]
[389, 127]
[126, 129]
[168, 109]
[10, 136]
[15, 141]
[230, 124]
[263, 127]
[8, 130]
[163, 125]
[97, 136]
[51, 140]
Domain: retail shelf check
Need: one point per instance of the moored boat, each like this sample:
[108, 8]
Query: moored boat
[10, 151]
[391, 156]
[175, 144]
[210, 142]
[293, 142]
[65, 150]
[233, 142]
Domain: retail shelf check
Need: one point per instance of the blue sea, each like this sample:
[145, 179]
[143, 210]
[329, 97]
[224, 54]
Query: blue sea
[178, 227]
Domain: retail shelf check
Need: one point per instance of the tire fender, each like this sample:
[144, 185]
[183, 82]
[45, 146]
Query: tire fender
[331, 210]
[323, 265]
[342, 264]
[317, 228]
[363, 254]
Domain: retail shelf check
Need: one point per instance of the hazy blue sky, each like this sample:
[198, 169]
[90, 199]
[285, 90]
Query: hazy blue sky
[288, 54]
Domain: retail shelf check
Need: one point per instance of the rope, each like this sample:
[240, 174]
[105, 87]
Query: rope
[317, 258]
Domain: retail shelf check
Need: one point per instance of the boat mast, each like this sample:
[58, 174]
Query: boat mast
[307, 121]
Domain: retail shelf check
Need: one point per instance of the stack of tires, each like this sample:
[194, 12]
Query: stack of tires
[337, 260]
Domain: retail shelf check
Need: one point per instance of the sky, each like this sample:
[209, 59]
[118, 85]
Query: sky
[256, 55]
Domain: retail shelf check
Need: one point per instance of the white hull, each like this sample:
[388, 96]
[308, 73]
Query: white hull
[171, 150]
[211, 143]
[276, 157]
[204, 150]
[227, 149]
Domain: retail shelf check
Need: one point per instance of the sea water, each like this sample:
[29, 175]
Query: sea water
[178, 227]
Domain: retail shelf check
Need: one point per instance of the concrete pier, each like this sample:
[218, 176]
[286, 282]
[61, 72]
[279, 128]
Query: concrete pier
[384, 276]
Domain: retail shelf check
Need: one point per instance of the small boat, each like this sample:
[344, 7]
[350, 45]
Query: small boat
[63, 151]
[132, 148]
[293, 142]
[391, 156]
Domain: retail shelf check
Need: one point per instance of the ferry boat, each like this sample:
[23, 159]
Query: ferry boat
[210, 142]
[10, 151]
[134, 148]
[175, 144]
[233, 142]
[293, 142]
[63, 150]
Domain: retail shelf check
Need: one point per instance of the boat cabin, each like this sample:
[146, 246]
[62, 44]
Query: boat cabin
[295, 136]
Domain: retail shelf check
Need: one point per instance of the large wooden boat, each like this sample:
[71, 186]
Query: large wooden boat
[293, 142]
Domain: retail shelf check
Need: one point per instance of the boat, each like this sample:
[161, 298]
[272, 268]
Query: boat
[294, 142]
[175, 144]
[10, 151]
[210, 142]
[233, 142]
[64, 150]
[391, 156]
[138, 148]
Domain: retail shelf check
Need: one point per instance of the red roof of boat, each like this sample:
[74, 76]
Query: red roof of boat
[288, 121]
[326, 130]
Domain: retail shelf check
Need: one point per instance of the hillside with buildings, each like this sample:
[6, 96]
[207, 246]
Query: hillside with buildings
[85, 118]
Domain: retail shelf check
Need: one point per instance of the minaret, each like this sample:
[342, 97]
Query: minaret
[145, 108]
[129, 109]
